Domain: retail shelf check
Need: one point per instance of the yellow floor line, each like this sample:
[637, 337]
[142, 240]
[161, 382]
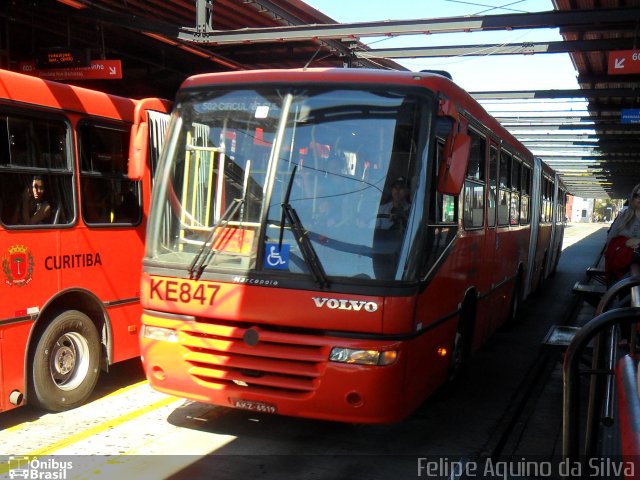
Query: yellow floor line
[65, 442]
[15, 428]
[127, 388]
[20, 426]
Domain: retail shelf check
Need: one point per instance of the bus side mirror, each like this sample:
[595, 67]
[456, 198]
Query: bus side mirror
[453, 164]
[138, 150]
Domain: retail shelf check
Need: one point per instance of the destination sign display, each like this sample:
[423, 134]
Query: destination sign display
[62, 58]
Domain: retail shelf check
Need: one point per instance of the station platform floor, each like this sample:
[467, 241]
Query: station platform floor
[537, 429]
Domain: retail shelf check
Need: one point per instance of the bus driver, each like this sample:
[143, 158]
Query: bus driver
[393, 214]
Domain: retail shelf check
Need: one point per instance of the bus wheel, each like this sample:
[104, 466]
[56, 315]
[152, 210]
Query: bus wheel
[460, 352]
[65, 363]
[514, 306]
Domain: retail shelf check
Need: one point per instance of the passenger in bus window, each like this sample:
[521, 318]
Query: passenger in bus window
[393, 214]
[34, 207]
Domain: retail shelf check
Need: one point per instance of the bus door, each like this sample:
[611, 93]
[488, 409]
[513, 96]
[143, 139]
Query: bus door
[536, 194]
[503, 245]
[219, 169]
[158, 123]
[201, 200]
[492, 244]
[557, 217]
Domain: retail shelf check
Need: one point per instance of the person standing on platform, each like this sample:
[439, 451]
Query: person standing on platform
[623, 240]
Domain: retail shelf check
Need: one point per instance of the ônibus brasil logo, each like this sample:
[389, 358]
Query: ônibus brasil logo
[17, 266]
[34, 468]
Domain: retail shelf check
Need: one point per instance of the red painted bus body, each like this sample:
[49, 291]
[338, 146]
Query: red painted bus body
[80, 264]
[259, 296]
[628, 410]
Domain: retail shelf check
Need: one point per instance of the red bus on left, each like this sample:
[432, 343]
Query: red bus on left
[72, 227]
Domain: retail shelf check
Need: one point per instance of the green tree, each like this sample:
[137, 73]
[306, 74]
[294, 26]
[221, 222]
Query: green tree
[606, 209]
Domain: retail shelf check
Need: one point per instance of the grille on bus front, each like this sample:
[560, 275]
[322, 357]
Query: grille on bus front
[255, 358]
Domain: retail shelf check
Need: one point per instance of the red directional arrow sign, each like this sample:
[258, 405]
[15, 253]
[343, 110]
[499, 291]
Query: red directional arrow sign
[624, 62]
[98, 70]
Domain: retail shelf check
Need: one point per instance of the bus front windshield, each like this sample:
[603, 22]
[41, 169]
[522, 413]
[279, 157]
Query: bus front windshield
[316, 182]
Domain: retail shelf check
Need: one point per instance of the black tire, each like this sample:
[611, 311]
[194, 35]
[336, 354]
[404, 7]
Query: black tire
[459, 359]
[514, 305]
[65, 363]
[460, 352]
[543, 276]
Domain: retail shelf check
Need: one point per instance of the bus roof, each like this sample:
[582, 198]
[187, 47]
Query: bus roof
[25, 89]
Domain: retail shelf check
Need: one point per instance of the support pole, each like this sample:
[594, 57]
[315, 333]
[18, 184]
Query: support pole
[204, 14]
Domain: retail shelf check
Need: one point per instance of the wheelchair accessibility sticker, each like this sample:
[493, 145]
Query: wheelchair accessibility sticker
[276, 258]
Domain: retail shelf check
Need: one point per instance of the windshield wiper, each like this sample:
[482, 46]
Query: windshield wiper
[207, 252]
[302, 238]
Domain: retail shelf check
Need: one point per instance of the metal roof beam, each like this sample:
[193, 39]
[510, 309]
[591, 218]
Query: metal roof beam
[560, 93]
[556, 118]
[558, 143]
[592, 78]
[550, 19]
[561, 136]
[552, 123]
[562, 148]
[623, 127]
[525, 48]
[600, 159]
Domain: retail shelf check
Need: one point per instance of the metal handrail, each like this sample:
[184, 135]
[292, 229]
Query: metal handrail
[571, 373]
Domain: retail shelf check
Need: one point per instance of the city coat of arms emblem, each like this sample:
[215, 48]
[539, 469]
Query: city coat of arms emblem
[17, 266]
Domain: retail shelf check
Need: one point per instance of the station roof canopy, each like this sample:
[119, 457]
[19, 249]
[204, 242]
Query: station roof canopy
[611, 83]
[147, 36]
[596, 149]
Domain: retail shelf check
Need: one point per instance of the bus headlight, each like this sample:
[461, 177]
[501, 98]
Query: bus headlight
[160, 333]
[363, 357]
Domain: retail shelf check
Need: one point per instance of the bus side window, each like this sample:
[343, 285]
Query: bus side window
[41, 194]
[526, 195]
[474, 184]
[444, 209]
[514, 211]
[492, 198]
[33, 200]
[10, 192]
[504, 192]
[108, 196]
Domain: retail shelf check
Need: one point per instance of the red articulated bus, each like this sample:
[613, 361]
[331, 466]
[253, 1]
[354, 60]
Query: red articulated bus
[334, 243]
[71, 237]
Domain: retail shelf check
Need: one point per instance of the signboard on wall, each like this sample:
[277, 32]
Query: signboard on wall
[630, 115]
[97, 70]
[624, 62]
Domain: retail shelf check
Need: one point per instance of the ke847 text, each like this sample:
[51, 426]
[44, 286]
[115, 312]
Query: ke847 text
[182, 291]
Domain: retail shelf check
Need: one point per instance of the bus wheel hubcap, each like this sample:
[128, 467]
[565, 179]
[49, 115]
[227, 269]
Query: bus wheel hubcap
[70, 361]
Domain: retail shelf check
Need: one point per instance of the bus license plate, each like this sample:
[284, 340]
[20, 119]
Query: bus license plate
[254, 406]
